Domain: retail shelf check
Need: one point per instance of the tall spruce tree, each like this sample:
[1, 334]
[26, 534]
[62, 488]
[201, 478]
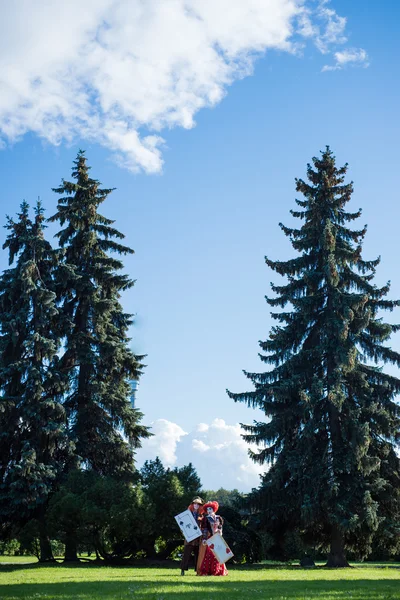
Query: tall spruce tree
[103, 425]
[34, 446]
[333, 417]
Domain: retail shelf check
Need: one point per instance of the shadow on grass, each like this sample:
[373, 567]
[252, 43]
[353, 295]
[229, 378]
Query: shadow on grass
[211, 587]
[143, 564]
[174, 567]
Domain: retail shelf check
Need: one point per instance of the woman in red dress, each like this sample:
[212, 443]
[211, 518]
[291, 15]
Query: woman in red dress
[210, 524]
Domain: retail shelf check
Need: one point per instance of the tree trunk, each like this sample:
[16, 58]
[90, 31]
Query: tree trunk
[149, 548]
[71, 550]
[46, 553]
[337, 556]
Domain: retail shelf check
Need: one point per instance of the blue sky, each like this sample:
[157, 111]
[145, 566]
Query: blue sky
[202, 207]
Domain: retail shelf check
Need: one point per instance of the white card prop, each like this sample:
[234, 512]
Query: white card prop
[188, 525]
[220, 548]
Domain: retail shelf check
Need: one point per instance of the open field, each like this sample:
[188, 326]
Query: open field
[88, 582]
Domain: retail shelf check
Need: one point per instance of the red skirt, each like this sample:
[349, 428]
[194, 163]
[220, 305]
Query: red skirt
[208, 564]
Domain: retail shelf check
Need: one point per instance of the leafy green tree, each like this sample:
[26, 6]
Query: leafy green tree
[102, 515]
[226, 498]
[29, 539]
[189, 480]
[118, 519]
[239, 531]
[165, 497]
[167, 492]
[34, 445]
[10, 547]
[333, 420]
[103, 425]
[244, 540]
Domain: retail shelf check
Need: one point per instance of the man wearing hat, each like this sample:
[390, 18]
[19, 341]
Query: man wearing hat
[192, 547]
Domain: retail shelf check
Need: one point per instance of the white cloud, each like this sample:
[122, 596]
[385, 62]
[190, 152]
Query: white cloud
[200, 446]
[118, 72]
[202, 427]
[322, 24]
[348, 57]
[217, 451]
[333, 30]
[166, 436]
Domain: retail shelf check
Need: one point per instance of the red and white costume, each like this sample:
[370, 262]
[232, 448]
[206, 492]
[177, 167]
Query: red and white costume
[210, 524]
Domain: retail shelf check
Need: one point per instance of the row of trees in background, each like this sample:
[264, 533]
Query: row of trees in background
[65, 361]
[68, 431]
[111, 520]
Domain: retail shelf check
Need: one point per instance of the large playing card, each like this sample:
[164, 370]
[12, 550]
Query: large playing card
[220, 548]
[188, 525]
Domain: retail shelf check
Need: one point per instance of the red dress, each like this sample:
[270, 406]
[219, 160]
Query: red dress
[208, 564]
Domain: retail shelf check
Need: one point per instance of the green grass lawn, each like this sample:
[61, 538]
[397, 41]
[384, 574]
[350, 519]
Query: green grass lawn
[89, 582]
[17, 560]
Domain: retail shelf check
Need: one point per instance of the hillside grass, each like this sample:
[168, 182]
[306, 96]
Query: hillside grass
[90, 582]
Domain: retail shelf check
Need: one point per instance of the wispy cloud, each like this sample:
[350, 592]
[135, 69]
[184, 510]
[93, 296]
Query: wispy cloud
[321, 23]
[354, 57]
[333, 31]
[119, 72]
